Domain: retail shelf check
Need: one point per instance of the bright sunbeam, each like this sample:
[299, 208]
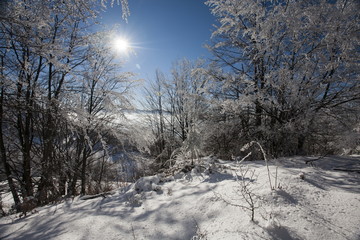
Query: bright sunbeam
[121, 45]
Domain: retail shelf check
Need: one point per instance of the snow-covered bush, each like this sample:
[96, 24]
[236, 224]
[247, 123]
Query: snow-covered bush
[146, 184]
[137, 192]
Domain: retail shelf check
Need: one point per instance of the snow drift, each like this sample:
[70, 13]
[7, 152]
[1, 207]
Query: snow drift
[310, 202]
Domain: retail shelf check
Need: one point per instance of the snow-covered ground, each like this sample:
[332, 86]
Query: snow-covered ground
[312, 202]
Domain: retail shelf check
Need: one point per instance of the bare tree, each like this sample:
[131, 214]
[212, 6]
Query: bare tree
[104, 90]
[43, 47]
[285, 64]
[155, 104]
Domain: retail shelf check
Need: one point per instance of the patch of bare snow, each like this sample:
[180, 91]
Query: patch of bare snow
[323, 204]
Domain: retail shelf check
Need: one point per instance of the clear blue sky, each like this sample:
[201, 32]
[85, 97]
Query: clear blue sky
[162, 31]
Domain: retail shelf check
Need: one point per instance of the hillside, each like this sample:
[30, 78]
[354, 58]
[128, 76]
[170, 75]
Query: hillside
[313, 201]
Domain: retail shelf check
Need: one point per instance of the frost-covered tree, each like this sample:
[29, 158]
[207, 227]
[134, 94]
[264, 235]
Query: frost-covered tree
[185, 95]
[177, 106]
[104, 93]
[285, 65]
[189, 107]
[155, 93]
[43, 47]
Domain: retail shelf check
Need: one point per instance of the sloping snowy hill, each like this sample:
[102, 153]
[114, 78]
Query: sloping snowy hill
[311, 202]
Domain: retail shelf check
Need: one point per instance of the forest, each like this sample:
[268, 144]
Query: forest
[284, 74]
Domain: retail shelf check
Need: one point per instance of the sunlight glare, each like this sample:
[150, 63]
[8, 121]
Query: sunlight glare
[121, 44]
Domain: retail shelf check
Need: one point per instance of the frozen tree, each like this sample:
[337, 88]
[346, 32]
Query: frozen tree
[155, 104]
[187, 106]
[103, 95]
[285, 64]
[3, 132]
[190, 106]
[185, 96]
[177, 104]
[43, 47]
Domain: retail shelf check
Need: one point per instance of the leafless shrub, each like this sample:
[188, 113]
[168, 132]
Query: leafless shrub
[133, 232]
[270, 175]
[27, 205]
[249, 199]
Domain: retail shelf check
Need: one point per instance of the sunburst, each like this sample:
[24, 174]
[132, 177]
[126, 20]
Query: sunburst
[122, 45]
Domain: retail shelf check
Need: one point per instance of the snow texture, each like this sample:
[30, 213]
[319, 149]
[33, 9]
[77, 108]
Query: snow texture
[322, 204]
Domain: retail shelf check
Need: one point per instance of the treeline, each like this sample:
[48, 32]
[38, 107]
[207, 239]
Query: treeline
[60, 84]
[283, 73]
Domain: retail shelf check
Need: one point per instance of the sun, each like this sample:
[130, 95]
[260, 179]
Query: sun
[121, 45]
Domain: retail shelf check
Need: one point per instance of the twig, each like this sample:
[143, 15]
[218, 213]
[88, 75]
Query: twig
[267, 164]
[245, 192]
[347, 170]
[313, 160]
[133, 232]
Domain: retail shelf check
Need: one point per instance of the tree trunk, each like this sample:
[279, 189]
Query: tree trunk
[72, 185]
[4, 157]
[83, 172]
[46, 185]
[300, 145]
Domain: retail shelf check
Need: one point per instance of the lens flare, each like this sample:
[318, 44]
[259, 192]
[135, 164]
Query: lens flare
[121, 45]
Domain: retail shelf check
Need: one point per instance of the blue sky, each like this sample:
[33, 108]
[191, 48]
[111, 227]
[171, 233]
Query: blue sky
[161, 32]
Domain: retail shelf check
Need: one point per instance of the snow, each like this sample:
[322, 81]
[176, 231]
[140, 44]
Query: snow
[325, 204]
